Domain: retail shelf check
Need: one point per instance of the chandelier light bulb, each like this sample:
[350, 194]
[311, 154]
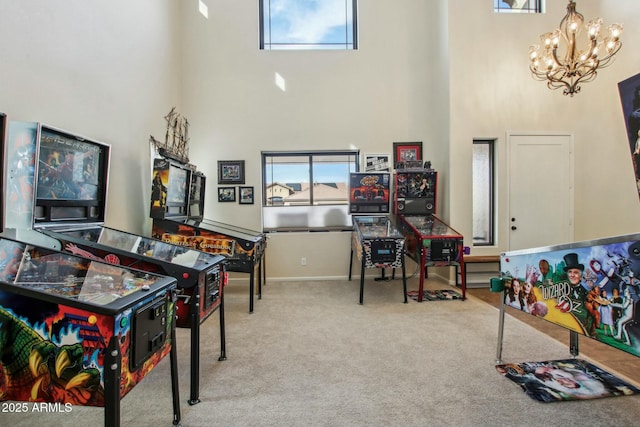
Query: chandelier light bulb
[615, 30]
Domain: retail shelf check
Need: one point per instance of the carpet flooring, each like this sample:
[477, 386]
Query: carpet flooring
[311, 355]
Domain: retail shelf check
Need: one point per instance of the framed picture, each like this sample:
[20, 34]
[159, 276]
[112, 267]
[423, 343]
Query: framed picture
[246, 195]
[406, 151]
[226, 194]
[231, 172]
[377, 163]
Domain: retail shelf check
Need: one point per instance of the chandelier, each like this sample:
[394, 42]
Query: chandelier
[573, 64]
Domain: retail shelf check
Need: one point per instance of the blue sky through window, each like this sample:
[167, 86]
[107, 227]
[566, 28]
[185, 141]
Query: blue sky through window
[307, 23]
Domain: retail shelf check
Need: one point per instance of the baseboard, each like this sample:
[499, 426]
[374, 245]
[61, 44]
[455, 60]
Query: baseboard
[297, 279]
[354, 278]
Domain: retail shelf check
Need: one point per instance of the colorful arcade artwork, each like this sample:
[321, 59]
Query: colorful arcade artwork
[369, 192]
[67, 167]
[592, 289]
[169, 189]
[20, 172]
[62, 318]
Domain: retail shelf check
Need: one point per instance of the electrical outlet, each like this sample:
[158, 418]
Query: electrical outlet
[303, 261]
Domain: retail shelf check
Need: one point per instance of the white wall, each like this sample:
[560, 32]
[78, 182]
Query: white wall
[389, 90]
[105, 69]
[492, 92]
[441, 72]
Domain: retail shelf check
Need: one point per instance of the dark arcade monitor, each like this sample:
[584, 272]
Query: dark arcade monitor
[196, 195]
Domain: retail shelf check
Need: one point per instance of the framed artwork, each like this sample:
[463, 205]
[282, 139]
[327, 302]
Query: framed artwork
[377, 163]
[406, 151]
[226, 194]
[231, 172]
[246, 195]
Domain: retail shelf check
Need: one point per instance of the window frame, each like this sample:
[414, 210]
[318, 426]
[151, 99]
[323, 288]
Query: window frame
[532, 6]
[347, 45]
[490, 190]
[312, 208]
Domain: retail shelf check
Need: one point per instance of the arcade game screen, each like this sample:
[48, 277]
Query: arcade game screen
[70, 177]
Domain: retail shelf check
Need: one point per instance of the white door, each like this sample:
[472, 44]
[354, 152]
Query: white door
[540, 189]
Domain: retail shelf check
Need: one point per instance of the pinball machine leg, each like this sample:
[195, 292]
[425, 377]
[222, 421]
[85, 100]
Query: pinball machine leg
[223, 338]
[259, 280]
[252, 289]
[195, 347]
[175, 388]
[573, 344]
[423, 270]
[404, 280]
[264, 268]
[362, 281]
[112, 370]
[351, 264]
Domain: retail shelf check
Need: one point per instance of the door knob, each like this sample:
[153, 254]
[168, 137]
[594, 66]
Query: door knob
[513, 227]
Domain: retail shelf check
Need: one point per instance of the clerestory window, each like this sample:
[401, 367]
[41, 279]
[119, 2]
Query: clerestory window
[518, 6]
[308, 24]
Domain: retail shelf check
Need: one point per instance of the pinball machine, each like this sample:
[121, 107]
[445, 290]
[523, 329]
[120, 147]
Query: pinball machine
[430, 242]
[375, 241]
[76, 331]
[591, 287]
[68, 184]
[243, 249]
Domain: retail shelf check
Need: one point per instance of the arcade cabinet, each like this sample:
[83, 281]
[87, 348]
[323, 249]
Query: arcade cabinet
[591, 288]
[430, 242]
[68, 185]
[81, 332]
[375, 240]
[243, 249]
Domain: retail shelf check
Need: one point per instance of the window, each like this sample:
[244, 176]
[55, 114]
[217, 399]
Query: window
[308, 24]
[307, 190]
[483, 193]
[518, 6]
